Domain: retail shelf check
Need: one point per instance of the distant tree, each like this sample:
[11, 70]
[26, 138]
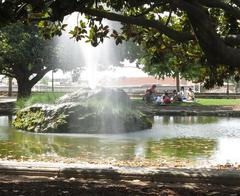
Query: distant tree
[25, 56]
[164, 57]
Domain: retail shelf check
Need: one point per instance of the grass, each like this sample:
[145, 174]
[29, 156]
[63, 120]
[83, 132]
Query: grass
[218, 102]
[202, 102]
[47, 98]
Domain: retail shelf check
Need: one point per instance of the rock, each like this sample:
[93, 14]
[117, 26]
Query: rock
[115, 96]
[102, 111]
[78, 96]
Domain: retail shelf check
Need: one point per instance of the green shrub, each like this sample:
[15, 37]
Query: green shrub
[47, 98]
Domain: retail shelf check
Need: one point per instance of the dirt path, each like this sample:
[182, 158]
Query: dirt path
[37, 186]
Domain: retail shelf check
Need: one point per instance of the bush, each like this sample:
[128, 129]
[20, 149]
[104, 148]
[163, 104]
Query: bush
[47, 98]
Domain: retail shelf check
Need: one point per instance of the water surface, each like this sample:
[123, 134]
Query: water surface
[190, 141]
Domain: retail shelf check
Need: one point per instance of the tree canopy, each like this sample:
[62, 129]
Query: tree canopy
[25, 55]
[210, 28]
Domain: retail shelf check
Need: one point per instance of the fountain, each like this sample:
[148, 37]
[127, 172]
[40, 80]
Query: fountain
[73, 54]
[96, 111]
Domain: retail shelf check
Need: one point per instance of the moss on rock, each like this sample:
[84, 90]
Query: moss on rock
[40, 118]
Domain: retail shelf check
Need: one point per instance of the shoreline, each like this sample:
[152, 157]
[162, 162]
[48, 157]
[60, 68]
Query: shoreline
[77, 170]
[177, 110]
[57, 178]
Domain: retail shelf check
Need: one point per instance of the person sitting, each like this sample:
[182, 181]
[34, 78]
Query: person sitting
[190, 95]
[176, 97]
[183, 94]
[166, 98]
[150, 94]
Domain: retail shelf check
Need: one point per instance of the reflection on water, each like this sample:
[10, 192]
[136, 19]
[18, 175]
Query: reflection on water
[182, 148]
[188, 119]
[197, 139]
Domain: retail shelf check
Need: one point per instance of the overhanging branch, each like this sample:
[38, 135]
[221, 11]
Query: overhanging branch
[152, 7]
[173, 34]
[234, 11]
[232, 40]
[214, 47]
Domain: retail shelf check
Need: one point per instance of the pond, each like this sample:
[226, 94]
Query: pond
[173, 141]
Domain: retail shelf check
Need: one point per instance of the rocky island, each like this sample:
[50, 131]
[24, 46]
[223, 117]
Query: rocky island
[99, 111]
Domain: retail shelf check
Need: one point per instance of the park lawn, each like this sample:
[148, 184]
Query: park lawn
[201, 102]
[218, 101]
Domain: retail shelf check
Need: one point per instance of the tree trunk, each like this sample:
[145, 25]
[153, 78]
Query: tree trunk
[228, 89]
[52, 81]
[10, 86]
[24, 88]
[178, 82]
[25, 85]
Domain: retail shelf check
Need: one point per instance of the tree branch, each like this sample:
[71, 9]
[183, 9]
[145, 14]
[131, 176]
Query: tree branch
[6, 73]
[232, 40]
[215, 49]
[139, 3]
[176, 35]
[234, 11]
[152, 8]
[39, 76]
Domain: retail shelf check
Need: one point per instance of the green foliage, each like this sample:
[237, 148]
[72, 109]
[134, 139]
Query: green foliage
[38, 120]
[162, 56]
[25, 55]
[49, 29]
[28, 120]
[47, 98]
[24, 51]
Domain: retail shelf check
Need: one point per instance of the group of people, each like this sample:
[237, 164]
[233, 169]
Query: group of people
[182, 96]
